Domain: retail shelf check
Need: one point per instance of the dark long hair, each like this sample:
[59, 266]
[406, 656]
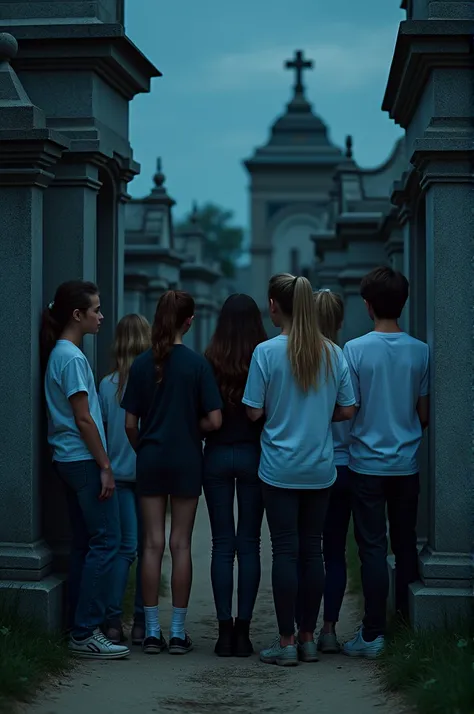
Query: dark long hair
[239, 330]
[173, 309]
[70, 296]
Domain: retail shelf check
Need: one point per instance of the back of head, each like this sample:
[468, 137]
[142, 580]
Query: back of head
[239, 330]
[174, 308]
[386, 292]
[132, 337]
[306, 345]
[70, 296]
[330, 313]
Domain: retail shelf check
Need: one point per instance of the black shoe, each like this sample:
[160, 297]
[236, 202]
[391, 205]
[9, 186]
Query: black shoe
[180, 646]
[242, 644]
[154, 645]
[224, 645]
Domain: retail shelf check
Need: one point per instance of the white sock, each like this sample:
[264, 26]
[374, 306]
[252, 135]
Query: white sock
[177, 622]
[152, 622]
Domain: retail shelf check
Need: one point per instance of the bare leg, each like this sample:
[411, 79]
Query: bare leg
[183, 513]
[153, 515]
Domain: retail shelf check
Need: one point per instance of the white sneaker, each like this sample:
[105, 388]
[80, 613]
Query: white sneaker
[358, 647]
[97, 647]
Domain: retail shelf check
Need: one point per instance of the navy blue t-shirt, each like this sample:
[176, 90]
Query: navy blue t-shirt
[169, 453]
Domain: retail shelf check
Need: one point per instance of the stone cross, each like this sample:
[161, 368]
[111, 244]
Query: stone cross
[299, 64]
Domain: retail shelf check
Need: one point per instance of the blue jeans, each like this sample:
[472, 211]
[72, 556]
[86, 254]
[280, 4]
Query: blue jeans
[338, 517]
[228, 468]
[95, 543]
[129, 515]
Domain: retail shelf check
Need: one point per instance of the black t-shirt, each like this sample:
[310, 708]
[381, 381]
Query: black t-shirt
[169, 454]
[236, 428]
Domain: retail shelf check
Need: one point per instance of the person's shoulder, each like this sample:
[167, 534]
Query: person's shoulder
[270, 345]
[108, 382]
[358, 344]
[192, 358]
[142, 360]
[64, 352]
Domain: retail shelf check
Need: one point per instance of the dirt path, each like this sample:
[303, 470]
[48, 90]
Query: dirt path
[201, 682]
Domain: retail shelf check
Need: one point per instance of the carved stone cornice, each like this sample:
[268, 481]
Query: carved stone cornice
[423, 45]
[101, 48]
[405, 195]
[443, 161]
[27, 156]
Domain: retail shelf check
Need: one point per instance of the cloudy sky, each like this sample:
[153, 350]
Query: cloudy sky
[224, 84]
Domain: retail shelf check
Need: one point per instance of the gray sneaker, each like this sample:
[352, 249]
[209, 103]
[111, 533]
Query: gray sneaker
[308, 651]
[327, 643]
[283, 656]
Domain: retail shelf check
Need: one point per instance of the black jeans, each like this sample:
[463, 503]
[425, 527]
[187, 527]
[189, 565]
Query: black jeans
[375, 497]
[296, 520]
[230, 468]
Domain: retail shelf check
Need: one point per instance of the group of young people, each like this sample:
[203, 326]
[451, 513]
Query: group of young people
[295, 426]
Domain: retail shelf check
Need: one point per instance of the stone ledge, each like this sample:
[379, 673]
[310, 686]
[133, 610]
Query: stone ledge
[25, 557]
[423, 45]
[439, 607]
[42, 601]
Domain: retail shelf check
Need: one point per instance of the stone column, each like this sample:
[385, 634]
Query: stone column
[446, 562]
[28, 154]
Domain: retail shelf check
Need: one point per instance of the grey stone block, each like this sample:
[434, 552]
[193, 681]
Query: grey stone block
[439, 607]
[41, 601]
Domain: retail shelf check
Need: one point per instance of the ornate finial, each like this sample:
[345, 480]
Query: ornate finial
[299, 64]
[194, 213]
[349, 144]
[159, 177]
[8, 47]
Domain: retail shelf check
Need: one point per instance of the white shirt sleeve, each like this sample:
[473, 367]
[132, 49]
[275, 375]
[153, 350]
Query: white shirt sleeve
[256, 387]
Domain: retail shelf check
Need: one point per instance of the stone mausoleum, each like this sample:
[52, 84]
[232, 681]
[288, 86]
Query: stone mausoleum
[65, 162]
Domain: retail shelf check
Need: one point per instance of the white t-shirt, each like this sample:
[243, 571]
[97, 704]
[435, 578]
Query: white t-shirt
[68, 372]
[390, 372]
[297, 445]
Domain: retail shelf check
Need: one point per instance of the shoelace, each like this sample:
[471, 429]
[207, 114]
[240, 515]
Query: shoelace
[102, 639]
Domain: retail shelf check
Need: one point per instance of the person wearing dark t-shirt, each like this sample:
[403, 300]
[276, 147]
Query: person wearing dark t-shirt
[231, 462]
[170, 399]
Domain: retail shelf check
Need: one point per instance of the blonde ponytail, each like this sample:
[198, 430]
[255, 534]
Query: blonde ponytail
[306, 345]
[330, 313]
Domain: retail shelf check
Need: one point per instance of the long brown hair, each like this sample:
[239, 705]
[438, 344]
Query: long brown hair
[70, 296]
[306, 344]
[132, 337]
[330, 309]
[239, 330]
[173, 309]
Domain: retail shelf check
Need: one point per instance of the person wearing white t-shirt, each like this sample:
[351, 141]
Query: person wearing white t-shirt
[77, 438]
[390, 376]
[300, 383]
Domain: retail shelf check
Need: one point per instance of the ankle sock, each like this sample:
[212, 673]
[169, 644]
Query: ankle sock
[177, 622]
[152, 622]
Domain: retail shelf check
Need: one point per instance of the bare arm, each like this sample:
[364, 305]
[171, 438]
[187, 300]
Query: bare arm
[254, 414]
[88, 429]
[343, 413]
[89, 432]
[423, 410]
[212, 421]
[131, 429]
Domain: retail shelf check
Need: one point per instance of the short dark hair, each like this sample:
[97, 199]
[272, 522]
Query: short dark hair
[386, 291]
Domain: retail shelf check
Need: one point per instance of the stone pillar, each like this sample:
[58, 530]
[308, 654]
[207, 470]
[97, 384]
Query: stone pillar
[446, 562]
[430, 93]
[28, 155]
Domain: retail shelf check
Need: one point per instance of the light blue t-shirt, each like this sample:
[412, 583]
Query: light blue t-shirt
[68, 372]
[389, 371]
[122, 456]
[297, 446]
[341, 434]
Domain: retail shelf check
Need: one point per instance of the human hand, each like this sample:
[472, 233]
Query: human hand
[108, 484]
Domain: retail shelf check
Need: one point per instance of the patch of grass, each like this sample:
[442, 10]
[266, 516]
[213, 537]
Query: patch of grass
[28, 656]
[434, 669]
[129, 599]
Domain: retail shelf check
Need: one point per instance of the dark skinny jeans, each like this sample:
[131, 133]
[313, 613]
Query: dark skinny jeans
[229, 468]
[375, 498]
[296, 520]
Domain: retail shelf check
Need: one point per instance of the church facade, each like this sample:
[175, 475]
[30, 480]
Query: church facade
[314, 212]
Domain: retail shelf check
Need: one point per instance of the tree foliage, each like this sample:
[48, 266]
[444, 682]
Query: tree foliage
[223, 240]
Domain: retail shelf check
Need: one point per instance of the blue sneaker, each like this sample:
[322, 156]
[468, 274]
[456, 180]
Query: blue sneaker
[358, 647]
[283, 656]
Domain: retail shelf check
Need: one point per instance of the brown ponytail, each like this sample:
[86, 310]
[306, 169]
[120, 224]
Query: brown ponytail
[70, 296]
[306, 344]
[173, 309]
